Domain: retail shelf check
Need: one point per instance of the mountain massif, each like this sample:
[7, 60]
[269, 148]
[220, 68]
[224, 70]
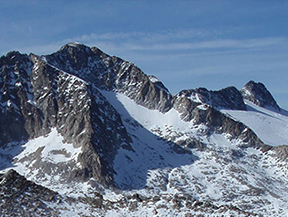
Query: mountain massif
[83, 133]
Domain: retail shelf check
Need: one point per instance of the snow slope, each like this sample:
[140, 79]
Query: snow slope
[169, 167]
[45, 160]
[270, 126]
[223, 173]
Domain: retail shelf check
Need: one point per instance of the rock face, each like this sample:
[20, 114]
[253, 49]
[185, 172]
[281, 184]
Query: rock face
[111, 73]
[187, 100]
[201, 106]
[36, 97]
[216, 121]
[228, 98]
[61, 91]
[259, 95]
[20, 197]
[15, 88]
[65, 96]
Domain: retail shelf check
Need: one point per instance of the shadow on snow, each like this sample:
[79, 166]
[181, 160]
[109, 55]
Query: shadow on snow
[150, 153]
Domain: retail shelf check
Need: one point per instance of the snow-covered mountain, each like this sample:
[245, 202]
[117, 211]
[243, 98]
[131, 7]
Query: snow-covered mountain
[113, 141]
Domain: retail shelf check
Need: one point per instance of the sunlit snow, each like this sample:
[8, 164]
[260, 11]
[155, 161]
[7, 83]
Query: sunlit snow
[223, 173]
[270, 126]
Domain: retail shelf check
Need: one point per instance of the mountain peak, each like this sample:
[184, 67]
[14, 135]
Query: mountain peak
[112, 140]
[257, 93]
[73, 45]
[229, 97]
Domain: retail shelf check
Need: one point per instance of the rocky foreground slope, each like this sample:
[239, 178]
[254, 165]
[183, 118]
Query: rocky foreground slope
[111, 140]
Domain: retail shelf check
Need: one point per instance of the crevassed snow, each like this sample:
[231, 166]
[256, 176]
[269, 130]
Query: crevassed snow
[270, 126]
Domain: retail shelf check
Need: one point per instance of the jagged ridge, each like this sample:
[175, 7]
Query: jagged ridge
[64, 91]
[38, 96]
[259, 95]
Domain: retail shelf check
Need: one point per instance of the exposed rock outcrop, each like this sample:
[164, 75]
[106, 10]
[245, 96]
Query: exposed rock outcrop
[36, 96]
[59, 99]
[111, 73]
[20, 197]
[200, 106]
[63, 91]
[228, 98]
[259, 95]
[15, 88]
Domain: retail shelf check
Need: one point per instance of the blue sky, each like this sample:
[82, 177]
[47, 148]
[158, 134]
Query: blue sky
[186, 44]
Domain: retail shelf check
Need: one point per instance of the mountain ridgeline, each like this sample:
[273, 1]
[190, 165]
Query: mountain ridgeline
[63, 90]
[113, 141]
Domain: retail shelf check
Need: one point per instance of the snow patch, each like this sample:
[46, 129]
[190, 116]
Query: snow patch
[54, 149]
[153, 79]
[270, 126]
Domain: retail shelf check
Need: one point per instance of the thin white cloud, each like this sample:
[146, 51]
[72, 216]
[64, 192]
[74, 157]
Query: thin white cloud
[126, 46]
[162, 41]
[184, 55]
[152, 36]
[176, 41]
[214, 44]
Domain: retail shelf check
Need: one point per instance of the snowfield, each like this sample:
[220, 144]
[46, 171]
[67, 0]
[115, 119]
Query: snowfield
[102, 154]
[270, 126]
[222, 173]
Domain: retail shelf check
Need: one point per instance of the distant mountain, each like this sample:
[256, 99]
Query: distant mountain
[259, 95]
[113, 141]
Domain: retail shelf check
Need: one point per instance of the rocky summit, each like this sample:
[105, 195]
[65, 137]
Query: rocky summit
[259, 95]
[83, 133]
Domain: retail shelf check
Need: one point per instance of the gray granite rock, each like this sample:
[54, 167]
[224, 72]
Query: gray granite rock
[259, 95]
